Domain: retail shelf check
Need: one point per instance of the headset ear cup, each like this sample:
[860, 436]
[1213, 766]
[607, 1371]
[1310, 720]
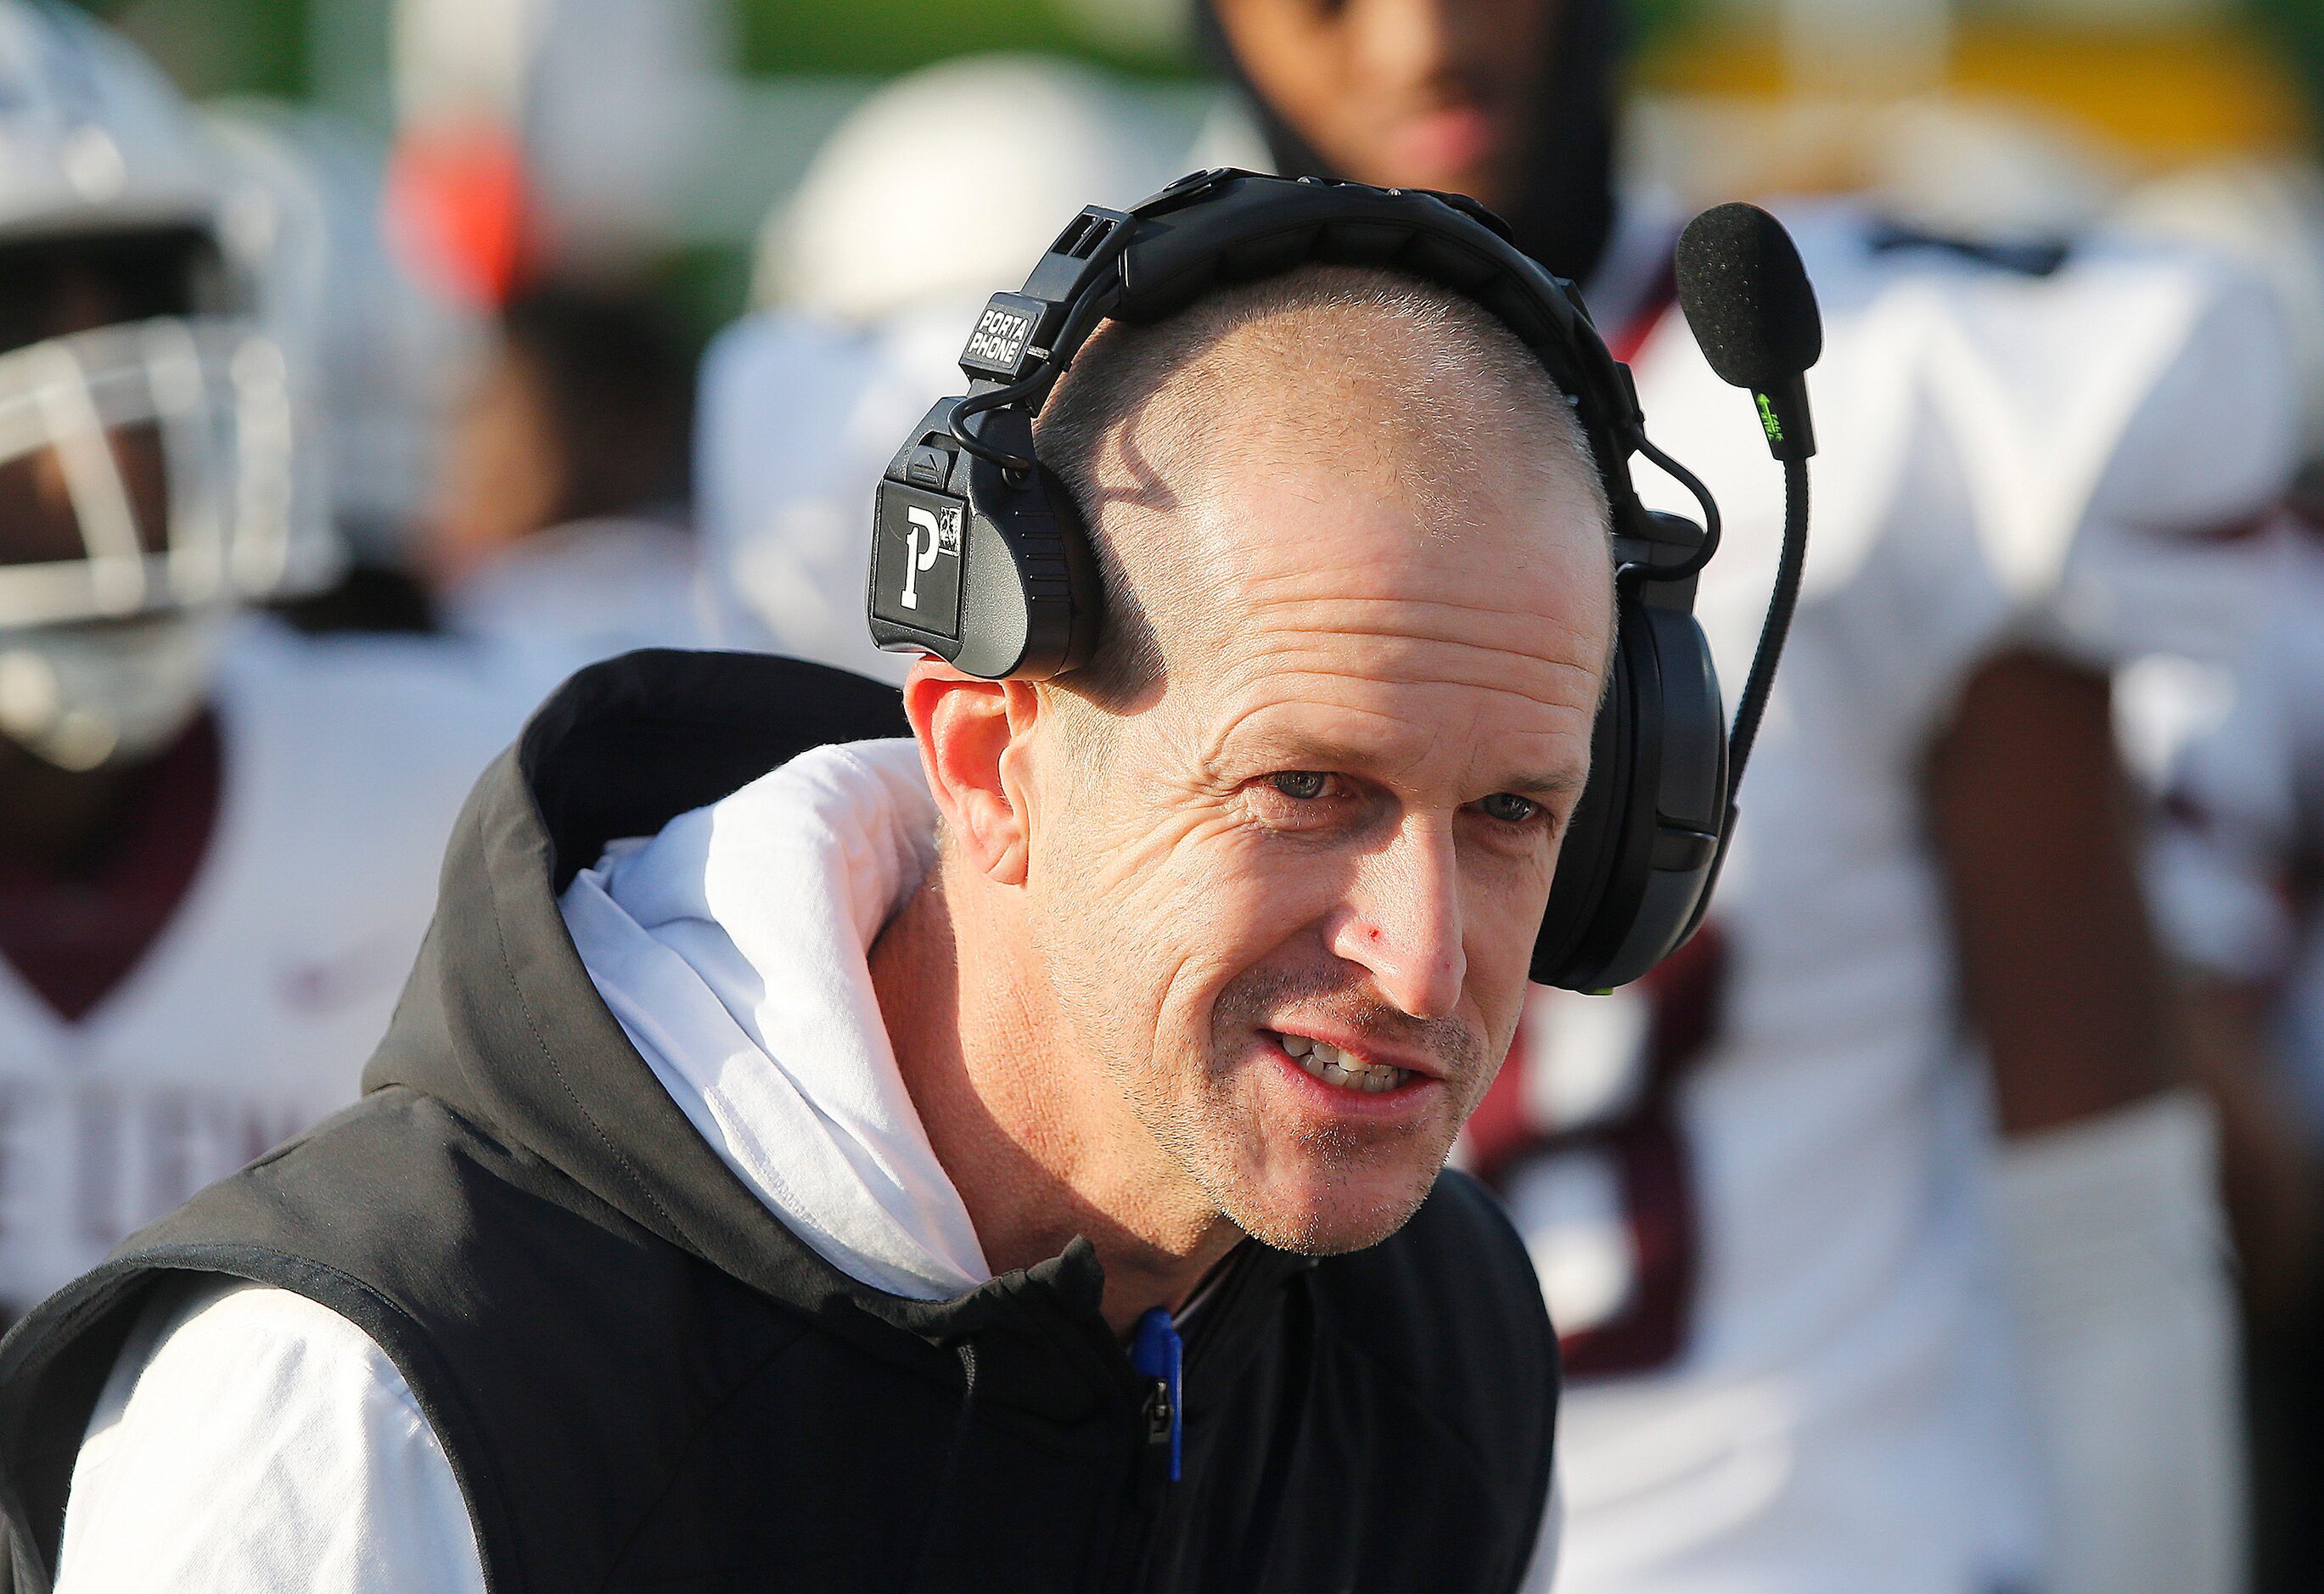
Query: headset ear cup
[1588, 862]
[1646, 840]
[1030, 604]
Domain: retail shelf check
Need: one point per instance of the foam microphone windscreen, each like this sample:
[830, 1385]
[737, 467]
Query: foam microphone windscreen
[1747, 297]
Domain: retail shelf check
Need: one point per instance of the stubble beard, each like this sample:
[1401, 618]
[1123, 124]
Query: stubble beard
[1358, 1208]
[1195, 1118]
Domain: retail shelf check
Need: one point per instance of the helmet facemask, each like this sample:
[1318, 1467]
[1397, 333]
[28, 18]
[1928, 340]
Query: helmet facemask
[147, 487]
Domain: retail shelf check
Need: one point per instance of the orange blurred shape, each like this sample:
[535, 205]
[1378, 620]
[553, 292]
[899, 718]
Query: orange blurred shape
[456, 207]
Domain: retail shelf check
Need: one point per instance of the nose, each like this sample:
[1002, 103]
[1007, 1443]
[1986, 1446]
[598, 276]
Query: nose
[1406, 41]
[1402, 921]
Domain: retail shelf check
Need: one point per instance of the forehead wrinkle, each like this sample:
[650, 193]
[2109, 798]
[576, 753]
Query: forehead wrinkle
[1268, 631]
[1513, 713]
[1470, 667]
[1366, 563]
[1253, 679]
[1399, 743]
[1554, 631]
[1360, 614]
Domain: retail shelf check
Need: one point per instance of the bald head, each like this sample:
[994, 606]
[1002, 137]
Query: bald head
[1417, 395]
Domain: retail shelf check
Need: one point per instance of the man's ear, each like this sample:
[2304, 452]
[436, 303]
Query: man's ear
[966, 728]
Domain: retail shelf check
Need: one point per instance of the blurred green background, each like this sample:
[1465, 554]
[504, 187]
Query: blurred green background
[2168, 80]
[280, 46]
[285, 47]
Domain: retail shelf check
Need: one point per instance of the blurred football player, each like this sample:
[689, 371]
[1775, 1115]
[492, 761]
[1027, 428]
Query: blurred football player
[2240, 874]
[2239, 757]
[217, 841]
[860, 321]
[559, 533]
[1822, 1338]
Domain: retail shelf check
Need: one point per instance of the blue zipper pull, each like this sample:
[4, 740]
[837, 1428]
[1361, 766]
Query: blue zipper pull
[1158, 1353]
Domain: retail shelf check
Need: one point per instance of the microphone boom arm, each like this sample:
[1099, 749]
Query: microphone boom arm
[1790, 566]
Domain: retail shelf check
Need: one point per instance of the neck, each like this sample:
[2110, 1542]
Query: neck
[1040, 1149]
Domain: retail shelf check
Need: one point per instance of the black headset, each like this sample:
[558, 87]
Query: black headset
[979, 557]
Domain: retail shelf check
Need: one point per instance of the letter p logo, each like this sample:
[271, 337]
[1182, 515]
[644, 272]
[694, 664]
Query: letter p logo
[919, 555]
[915, 560]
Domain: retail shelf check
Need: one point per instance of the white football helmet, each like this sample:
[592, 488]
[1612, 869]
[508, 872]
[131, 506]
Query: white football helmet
[868, 234]
[148, 476]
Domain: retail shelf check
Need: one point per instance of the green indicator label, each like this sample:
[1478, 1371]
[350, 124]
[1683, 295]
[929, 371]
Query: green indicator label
[1768, 420]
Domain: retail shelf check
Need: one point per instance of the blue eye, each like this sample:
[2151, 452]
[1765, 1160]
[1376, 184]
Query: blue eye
[1302, 785]
[1510, 809]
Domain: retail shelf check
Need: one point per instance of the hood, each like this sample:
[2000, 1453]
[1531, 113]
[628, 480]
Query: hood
[1566, 213]
[502, 1023]
[734, 947]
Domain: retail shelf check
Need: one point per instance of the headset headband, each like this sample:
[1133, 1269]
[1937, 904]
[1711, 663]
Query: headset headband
[1224, 227]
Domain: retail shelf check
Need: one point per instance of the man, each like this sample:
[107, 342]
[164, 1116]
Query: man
[768, 1195]
[212, 834]
[1758, 1213]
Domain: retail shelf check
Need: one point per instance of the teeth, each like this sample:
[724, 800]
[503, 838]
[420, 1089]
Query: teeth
[1335, 1067]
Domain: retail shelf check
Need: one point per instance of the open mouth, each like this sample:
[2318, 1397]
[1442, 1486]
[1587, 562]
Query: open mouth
[1335, 1067]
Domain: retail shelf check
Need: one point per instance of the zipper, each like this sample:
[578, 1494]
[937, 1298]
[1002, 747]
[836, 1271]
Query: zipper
[1158, 1468]
[1158, 1355]
[1157, 1352]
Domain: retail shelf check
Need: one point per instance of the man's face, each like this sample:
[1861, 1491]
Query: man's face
[1430, 93]
[1331, 834]
[502, 477]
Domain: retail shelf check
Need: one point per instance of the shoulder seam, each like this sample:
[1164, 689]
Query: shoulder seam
[435, 1398]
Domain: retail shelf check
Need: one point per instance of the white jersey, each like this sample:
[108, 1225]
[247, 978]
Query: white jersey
[251, 1015]
[2240, 858]
[566, 597]
[1763, 1240]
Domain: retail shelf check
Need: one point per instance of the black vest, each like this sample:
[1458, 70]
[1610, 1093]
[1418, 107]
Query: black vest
[644, 1380]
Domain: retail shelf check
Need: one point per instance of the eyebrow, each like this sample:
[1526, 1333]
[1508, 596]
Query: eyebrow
[1541, 786]
[1307, 753]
